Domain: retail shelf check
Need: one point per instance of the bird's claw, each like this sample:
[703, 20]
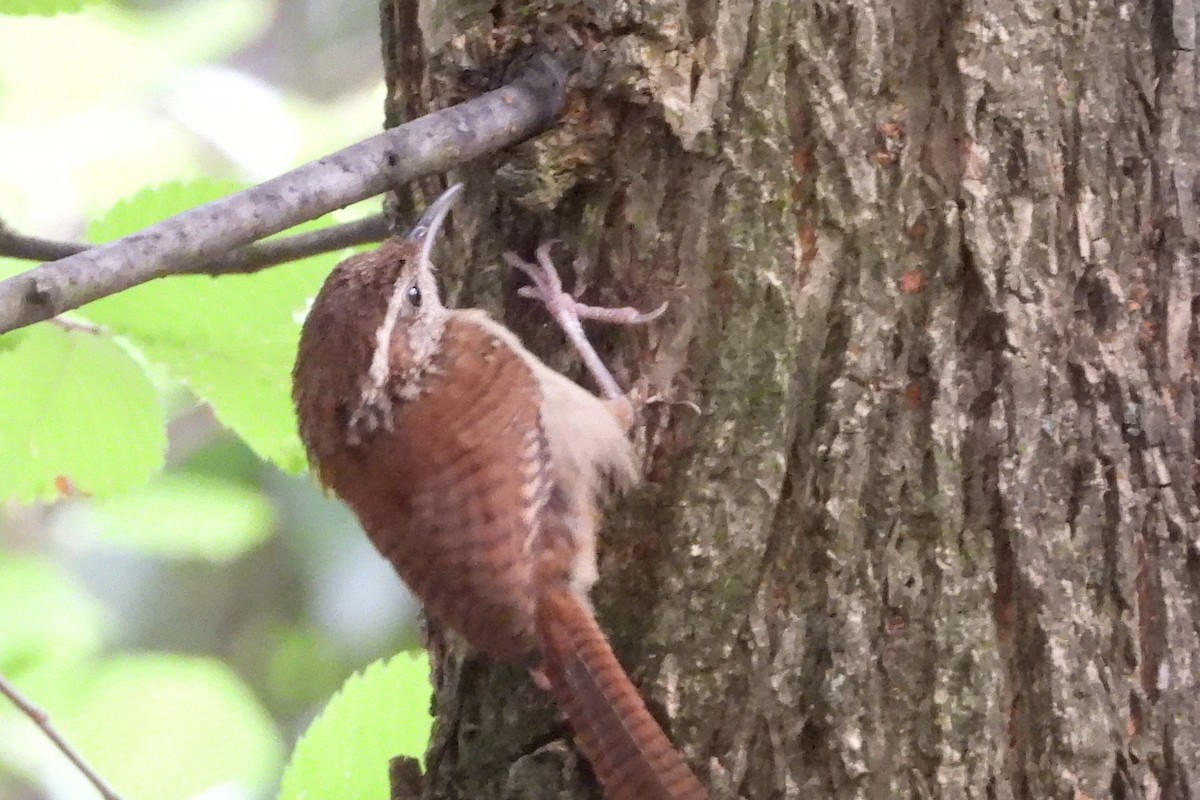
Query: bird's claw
[567, 311]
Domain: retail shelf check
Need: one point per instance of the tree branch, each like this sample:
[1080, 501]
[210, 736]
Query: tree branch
[205, 234]
[42, 720]
[254, 257]
[32, 248]
[251, 258]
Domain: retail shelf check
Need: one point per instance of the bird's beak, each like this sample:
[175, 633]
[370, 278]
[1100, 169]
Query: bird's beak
[426, 230]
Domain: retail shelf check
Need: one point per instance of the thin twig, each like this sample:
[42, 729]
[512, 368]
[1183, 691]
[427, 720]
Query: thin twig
[42, 720]
[258, 256]
[204, 234]
[251, 258]
[31, 248]
[74, 325]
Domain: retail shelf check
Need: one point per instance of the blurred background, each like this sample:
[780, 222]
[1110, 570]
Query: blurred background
[95, 106]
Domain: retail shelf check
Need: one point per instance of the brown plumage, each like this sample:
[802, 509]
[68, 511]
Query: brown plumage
[629, 753]
[476, 469]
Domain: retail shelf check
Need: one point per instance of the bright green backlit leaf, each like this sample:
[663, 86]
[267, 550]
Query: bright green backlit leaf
[379, 714]
[77, 413]
[155, 726]
[46, 614]
[231, 339]
[14, 266]
[183, 515]
[42, 7]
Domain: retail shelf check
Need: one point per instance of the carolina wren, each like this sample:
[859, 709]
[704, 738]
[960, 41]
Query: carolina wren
[477, 470]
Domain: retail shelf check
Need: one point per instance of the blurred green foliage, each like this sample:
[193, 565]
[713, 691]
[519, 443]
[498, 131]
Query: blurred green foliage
[77, 409]
[188, 516]
[42, 7]
[156, 725]
[69, 624]
[231, 341]
[173, 592]
[358, 729]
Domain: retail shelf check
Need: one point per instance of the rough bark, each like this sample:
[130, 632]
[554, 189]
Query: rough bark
[921, 513]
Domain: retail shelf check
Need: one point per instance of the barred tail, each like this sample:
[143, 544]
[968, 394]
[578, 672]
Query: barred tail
[629, 753]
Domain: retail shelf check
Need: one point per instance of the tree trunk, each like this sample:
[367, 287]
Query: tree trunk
[920, 516]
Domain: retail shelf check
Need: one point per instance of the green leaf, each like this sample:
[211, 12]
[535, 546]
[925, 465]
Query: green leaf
[68, 623]
[77, 412]
[156, 203]
[43, 8]
[187, 516]
[14, 266]
[231, 339]
[154, 726]
[382, 713]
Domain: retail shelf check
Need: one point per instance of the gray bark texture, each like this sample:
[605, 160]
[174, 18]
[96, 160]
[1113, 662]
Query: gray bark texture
[920, 517]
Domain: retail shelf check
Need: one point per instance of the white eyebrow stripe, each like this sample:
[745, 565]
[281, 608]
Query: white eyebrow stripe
[381, 359]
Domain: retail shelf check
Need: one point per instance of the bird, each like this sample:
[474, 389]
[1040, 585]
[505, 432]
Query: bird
[478, 471]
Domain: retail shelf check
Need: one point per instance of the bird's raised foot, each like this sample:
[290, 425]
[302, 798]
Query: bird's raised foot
[548, 289]
[568, 312]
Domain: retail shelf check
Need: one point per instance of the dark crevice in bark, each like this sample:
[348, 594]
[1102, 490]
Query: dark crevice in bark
[1151, 612]
[1122, 786]
[1163, 42]
[404, 68]
[1174, 776]
[702, 15]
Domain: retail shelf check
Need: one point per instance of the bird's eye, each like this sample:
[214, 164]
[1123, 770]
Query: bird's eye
[413, 295]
